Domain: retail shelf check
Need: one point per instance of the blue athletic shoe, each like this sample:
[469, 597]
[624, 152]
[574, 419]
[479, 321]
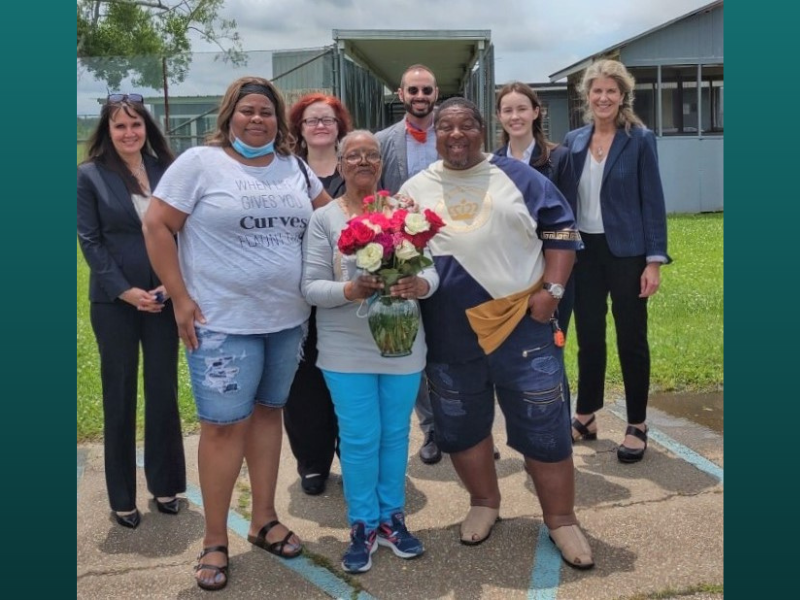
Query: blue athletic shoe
[358, 556]
[394, 535]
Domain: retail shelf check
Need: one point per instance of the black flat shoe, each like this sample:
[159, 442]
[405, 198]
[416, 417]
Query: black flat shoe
[131, 521]
[430, 453]
[313, 484]
[632, 455]
[171, 507]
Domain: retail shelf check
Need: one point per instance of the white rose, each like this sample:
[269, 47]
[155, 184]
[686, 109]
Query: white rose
[406, 251]
[370, 257]
[374, 226]
[416, 223]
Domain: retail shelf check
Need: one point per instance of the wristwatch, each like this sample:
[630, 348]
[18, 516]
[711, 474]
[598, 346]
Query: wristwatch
[556, 289]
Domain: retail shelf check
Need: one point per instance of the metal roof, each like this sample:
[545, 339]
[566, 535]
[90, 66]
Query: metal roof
[584, 63]
[450, 54]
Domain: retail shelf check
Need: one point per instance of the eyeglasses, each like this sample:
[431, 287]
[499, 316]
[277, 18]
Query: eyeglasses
[354, 158]
[314, 121]
[414, 90]
[125, 97]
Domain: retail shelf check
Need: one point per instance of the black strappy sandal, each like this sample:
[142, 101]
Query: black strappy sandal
[275, 548]
[583, 430]
[211, 587]
[632, 455]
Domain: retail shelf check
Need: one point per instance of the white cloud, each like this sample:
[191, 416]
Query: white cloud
[532, 39]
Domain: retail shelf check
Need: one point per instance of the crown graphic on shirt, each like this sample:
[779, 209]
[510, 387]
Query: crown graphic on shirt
[463, 211]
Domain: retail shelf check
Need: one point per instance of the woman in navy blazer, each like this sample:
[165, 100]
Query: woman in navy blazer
[623, 224]
[127, 154]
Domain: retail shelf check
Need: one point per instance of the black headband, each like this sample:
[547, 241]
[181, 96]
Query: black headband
[257, 88]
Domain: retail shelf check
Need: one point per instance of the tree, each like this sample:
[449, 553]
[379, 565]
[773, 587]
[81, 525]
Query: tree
[148, 40]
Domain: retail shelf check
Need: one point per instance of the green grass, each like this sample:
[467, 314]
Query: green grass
[685, 316]
[670, 594]
[90, 397]
[686, 328]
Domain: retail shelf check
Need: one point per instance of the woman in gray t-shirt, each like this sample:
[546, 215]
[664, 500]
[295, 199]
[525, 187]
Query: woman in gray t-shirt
[240, 207]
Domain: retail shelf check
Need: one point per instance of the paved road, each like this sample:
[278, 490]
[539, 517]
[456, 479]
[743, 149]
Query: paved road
[656, 528]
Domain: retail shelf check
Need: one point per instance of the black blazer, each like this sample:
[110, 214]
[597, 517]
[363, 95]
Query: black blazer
[557, 169]
[110, 232]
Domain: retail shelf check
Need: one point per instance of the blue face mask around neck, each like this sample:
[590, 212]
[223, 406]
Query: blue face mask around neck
[252, 151]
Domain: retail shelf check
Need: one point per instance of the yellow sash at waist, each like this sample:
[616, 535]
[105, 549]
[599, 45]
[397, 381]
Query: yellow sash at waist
[493, 321]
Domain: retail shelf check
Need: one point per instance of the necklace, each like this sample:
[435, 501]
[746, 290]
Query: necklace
[140, 173]
[343, 202]
[346, 202]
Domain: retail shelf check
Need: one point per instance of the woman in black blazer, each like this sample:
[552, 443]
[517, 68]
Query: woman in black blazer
[622, 219]
[127, 154]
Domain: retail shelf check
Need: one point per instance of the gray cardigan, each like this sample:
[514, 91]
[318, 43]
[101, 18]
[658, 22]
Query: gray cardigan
[344, 341]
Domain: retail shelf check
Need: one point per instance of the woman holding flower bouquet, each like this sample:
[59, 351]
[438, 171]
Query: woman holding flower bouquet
[373, 395]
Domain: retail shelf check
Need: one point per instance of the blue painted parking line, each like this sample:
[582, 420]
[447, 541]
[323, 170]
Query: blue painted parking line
[684, 452]
[546, 568]
[81, 466]
[314, 574]
[546, 574]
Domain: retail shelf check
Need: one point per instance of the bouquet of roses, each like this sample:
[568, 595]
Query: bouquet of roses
[390, 242]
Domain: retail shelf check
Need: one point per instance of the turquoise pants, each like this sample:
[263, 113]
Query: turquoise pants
[374, 414]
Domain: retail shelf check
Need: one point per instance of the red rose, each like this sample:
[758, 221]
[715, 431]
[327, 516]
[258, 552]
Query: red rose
[347, 242]
[434, 219]
[420, 240]
[399, 219]
[362, 233]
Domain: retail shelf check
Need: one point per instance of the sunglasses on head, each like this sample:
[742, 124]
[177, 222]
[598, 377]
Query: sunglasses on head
[125, 97]
[414, 90]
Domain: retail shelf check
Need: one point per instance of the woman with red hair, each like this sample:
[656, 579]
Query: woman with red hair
[318, 122]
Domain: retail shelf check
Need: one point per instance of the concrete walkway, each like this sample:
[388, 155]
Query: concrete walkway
[656, 527]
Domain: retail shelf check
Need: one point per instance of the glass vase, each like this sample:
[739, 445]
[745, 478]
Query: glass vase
[394, 323]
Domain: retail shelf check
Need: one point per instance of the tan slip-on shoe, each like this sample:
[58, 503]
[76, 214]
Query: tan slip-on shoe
[573, 546]
[477, 526]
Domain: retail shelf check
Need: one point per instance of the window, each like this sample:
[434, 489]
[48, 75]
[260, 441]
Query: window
[682, 111]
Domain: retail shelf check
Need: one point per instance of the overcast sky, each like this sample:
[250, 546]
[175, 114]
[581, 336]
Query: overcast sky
[532, 39]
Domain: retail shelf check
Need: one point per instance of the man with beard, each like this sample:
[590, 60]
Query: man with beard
[408, 147]
[503, 258]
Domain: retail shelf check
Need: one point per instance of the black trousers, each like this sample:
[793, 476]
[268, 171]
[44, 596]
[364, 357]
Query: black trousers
[120, 330]
[308, 416]
[598, 274]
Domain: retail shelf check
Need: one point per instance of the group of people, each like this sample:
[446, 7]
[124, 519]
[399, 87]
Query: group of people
[232, 247]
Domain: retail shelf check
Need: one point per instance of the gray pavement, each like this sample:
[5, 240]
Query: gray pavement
[656, 529]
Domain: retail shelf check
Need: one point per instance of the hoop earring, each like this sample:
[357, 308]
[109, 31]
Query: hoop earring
[303, 143]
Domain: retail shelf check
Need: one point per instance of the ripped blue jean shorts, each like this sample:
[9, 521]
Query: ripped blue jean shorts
[526, 374]
[231, 373]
